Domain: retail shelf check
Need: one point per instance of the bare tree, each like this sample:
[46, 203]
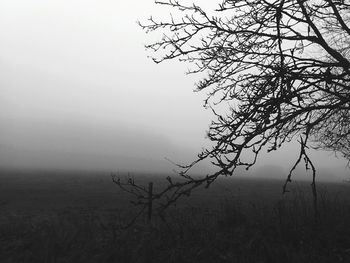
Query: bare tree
[274, 71]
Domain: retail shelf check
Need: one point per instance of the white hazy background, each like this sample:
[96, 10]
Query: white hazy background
[77, 91]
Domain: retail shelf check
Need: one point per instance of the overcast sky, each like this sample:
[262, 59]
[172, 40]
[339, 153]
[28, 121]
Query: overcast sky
[78, 91]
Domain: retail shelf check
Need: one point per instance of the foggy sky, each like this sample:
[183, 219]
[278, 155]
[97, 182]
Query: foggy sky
[78, 91]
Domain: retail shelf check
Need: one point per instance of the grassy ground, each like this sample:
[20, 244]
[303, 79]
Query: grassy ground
[70, 218]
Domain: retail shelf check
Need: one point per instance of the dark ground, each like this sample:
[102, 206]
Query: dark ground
[57, 216]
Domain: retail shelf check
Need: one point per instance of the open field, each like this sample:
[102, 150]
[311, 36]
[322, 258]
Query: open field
[56, 216]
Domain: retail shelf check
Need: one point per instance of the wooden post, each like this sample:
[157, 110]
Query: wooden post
[150, 194]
